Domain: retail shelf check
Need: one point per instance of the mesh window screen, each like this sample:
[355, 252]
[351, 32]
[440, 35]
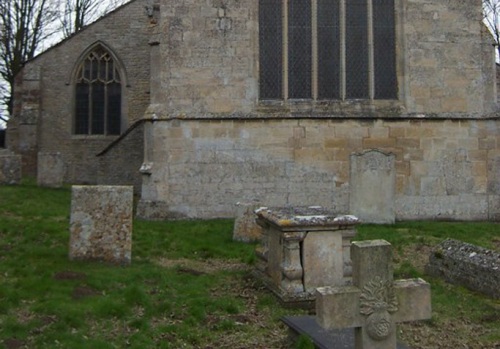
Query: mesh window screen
[357, 76]
[270, 51]
[354, 53]
[299, 49]
[384, 38]
[328, 49]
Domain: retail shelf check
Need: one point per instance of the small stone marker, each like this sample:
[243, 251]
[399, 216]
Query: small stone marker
[51, 169]
[10, 167]
[101, 223]
[375, 303]
[246, 228]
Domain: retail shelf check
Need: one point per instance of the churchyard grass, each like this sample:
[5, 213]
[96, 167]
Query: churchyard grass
[190, 286]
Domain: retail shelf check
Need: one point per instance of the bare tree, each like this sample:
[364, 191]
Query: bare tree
[78, 13]
[491, 12]
[24, 26]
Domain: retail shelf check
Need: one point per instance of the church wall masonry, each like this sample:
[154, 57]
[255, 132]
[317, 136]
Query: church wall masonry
[45, 99]
[444, 169]
[214, 143]
[205, 140]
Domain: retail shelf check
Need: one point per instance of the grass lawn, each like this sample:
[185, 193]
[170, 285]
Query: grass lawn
[189, 285]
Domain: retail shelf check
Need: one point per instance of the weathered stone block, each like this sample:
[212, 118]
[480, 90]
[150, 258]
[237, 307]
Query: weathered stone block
[372, 184]
[304, 248]
[246, 228]
[468, 265]
[50, 170]
[101, 223]
[10, 167]
[323, 261]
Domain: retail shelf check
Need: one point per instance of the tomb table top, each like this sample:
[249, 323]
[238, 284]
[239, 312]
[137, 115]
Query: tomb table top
[305, 218]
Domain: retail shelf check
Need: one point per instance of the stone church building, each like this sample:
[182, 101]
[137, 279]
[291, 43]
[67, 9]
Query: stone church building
[380, 108]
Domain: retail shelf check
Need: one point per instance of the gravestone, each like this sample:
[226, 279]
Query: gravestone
[51, 169]
[303, 248]
[372, 187]
[374, 303]
[101, 223]
[10, 167]
[474, 267]
[364, 315]
[246, 228]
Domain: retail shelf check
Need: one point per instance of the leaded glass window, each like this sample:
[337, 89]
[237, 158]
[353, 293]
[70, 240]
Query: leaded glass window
[327, 49]
[98, 95]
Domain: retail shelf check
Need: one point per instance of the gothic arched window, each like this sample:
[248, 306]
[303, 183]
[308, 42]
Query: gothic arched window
[98, 95]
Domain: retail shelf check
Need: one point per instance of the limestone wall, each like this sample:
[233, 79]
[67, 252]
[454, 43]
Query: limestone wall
[214, 143]
[209, 57]
[201, 168]
[449, 61]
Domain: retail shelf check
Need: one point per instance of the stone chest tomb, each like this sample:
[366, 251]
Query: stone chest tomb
[302, 249]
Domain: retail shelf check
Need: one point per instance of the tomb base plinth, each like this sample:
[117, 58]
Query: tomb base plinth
[301, 249]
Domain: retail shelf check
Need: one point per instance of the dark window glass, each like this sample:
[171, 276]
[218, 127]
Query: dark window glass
[357, 75]
[328, 49]
[384, 38]
[343, 43]
[82, 109]
[299, 49]
[271, 52]
[98, 107]
[98, 96]
[114, 108]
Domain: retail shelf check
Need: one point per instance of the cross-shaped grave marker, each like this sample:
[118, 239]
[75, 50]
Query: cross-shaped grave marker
[375, 303]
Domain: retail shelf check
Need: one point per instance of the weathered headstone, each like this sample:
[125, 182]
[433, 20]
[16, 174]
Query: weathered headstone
[10, 167]
[101, 223]
[375, 303]
[246, 228]
[372, 187]
[51, 169]
[303, 248]
[468, 265]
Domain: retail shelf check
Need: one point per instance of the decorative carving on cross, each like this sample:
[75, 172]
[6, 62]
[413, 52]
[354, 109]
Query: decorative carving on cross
[375, 303]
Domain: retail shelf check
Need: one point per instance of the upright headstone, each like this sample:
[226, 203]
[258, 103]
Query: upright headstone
[372, 187]
[10, 167]
[101, 223]
[375, 303]
[51, 169]
[246, 228]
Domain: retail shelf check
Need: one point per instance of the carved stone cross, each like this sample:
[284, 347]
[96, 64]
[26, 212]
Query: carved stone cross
[375, 303]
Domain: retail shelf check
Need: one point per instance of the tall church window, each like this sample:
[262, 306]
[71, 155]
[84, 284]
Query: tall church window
[327, 49]
[98, 95]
